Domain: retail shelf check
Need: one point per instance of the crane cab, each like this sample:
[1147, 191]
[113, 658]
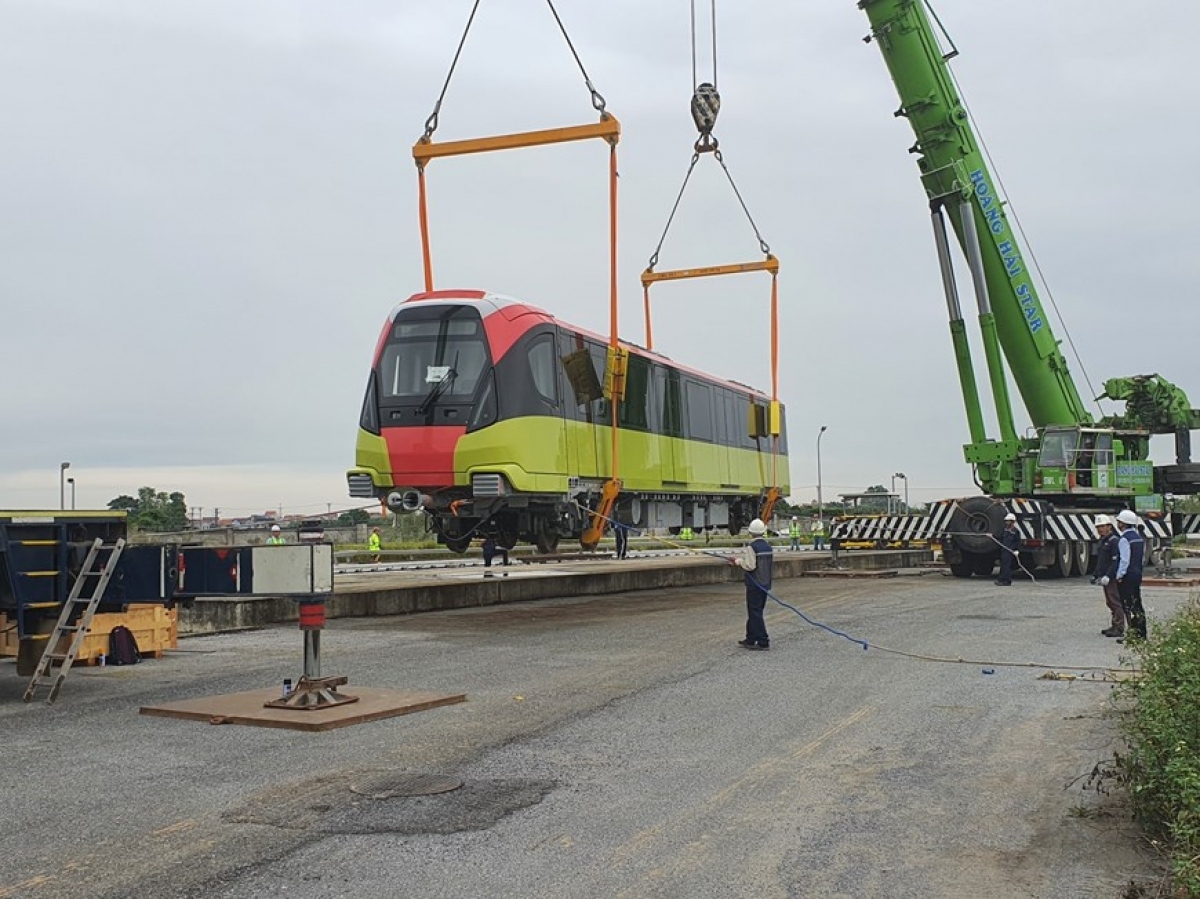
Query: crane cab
[1088, 461]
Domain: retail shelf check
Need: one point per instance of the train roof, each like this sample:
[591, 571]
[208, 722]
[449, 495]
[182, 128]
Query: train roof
[488, 303]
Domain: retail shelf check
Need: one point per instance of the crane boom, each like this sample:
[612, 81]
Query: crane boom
[1062, 460]
[953, 169]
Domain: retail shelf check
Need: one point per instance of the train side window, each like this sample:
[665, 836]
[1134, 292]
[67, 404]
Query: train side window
[633, 412]
[700, 413]
[672, 403]
[541, 368]
[732, 436]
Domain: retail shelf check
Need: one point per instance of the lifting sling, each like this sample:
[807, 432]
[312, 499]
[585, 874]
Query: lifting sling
[607, 129]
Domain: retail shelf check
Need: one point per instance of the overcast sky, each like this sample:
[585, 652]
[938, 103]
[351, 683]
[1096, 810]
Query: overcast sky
[208, 208]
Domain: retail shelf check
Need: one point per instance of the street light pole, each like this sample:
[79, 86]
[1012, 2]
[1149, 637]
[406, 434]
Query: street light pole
[820, 498]
[71, 481]
[902, 476]
[62, 484]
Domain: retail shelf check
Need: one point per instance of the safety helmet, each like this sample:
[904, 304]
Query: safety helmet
[275, 528]
[1127, 516]
[757, 528]
[1010, 517]
[1103, 520]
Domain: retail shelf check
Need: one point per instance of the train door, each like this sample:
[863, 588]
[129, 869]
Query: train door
[674, 420]
[729, 426]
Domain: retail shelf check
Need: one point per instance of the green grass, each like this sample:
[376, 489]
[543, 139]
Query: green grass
[1162, 728]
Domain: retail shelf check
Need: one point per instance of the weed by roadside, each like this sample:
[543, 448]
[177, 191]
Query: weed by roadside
[1161, 724]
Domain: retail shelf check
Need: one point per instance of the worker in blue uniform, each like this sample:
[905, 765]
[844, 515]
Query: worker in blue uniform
[1131, 551]
[757, 560]
[1010, 544]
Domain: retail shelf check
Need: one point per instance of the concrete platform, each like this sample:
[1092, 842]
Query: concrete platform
[247, 708]
[405, 592]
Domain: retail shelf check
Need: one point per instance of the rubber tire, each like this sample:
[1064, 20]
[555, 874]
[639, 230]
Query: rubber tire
[1083, 558]
[1064, 554]
[982, 566]
[976, 521]
[962, 569]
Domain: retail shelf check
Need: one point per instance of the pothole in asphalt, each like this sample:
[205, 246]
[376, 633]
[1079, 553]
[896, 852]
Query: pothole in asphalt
[390, 802]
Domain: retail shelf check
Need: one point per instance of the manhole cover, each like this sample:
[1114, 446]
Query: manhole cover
[391, 786]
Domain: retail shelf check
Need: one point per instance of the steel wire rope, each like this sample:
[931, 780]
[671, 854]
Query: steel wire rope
[431, 123]
[598, 102]
[762, 244]
[713, 13]
[1017, 219]
[674, 209]
[865, 644]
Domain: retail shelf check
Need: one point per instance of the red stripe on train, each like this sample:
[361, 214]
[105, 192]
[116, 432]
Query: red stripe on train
[423, 457]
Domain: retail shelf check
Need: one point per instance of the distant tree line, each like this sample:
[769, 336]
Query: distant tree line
[153, 510]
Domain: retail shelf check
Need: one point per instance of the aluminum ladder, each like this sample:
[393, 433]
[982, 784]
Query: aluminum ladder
[94, 574]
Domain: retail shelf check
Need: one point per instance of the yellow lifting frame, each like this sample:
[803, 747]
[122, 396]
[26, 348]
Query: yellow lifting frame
[775, 418]
[425, 149]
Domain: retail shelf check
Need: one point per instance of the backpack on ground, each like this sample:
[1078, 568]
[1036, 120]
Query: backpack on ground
[122, 647]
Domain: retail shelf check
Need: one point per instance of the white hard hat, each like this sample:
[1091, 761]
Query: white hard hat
[757, 527]
[1127, 516]
[275, 527]
[1103, 520]
[1010, 517]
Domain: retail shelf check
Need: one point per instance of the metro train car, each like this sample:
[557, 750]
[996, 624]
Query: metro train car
[489, 415]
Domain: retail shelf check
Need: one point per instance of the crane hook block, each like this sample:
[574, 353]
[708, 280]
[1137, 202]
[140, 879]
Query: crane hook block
[706, 103]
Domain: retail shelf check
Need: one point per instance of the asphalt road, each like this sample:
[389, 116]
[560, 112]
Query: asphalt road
[610, 746]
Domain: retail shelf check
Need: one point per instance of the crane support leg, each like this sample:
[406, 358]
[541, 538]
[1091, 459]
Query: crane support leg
[958, 329]
[987, 324]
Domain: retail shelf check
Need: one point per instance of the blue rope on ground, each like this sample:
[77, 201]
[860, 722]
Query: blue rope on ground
[815, 623]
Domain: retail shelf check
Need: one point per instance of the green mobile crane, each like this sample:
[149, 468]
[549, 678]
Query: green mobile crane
[1070, 459]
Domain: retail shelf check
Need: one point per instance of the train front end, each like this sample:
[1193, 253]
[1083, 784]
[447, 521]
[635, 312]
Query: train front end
[433, 412]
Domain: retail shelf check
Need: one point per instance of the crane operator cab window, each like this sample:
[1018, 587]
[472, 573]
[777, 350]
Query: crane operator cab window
[1083, 457]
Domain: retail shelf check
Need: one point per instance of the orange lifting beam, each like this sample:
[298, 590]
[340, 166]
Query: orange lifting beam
[770, 264]
[608, 128]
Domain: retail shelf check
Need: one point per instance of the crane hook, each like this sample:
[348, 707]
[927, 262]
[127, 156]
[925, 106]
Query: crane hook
[706, 104]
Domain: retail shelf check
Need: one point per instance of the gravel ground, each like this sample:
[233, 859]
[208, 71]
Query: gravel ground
[610, 746]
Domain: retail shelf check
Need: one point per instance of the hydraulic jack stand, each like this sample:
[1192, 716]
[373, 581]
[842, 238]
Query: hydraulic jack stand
[313, 691]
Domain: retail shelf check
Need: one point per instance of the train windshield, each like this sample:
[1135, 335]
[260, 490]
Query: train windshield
[429, 359]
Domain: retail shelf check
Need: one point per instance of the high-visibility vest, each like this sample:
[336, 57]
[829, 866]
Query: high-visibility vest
[794, 530]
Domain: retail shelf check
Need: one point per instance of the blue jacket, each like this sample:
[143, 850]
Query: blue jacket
[1131, 549]
[1107, 557]
[762, 570]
